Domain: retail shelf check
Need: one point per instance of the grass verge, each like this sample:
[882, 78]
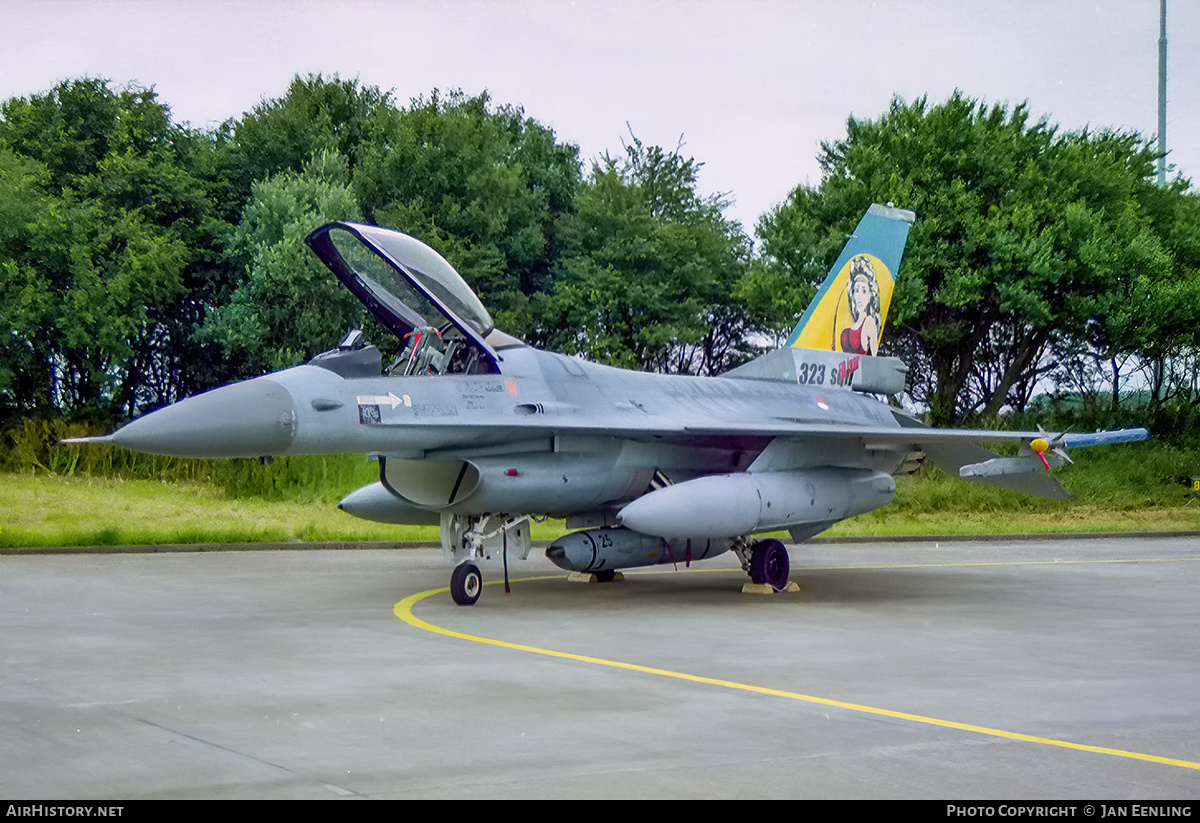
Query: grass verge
[1113, 494]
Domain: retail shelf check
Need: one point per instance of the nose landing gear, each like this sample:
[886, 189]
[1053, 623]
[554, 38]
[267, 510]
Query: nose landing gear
[465, 583]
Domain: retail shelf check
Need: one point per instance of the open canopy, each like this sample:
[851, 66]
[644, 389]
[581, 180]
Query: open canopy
[406, 285]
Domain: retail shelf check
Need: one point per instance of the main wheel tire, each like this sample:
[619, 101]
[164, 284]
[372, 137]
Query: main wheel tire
[770, 564]
[466, 583]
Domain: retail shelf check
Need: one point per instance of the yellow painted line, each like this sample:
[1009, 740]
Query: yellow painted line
[403, 610]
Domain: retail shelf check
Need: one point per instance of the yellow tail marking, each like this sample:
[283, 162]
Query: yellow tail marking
[832, 325]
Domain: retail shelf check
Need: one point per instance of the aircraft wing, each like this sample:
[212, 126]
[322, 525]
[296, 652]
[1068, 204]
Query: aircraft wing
[880, 434]
[913, 438]
[955, 450]
[872, 436]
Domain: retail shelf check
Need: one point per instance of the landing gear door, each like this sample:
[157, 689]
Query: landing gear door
[406, 285]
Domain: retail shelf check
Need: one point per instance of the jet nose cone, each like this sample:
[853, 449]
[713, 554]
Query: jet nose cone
[249, 419]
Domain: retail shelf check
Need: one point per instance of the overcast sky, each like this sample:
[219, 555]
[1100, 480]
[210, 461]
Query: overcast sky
[753, 87]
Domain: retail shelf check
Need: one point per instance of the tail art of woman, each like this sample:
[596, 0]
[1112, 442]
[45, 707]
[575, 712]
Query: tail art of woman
[862, 293]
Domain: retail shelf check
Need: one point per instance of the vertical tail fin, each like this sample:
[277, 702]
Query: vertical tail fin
[849, 310]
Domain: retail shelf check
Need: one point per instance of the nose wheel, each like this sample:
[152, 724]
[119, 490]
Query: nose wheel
[466, 582]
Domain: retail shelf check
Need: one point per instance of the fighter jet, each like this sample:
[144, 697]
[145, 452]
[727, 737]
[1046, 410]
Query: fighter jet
[478, 432]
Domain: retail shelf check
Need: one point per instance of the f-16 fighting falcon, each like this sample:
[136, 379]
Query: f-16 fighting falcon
[477, 432]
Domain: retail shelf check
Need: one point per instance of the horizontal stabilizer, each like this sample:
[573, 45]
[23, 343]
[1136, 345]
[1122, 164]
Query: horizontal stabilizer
[978, 465]
[998, 466]
[1025, 474]
[1034, 484]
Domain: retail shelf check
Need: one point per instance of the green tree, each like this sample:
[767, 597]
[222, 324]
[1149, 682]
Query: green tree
[316, 115]
[485, 186]
[650, 270]
[1153, 318]
[798, 241]
[289, 307]
[107, 267]
[26, 311]
[1023, 236]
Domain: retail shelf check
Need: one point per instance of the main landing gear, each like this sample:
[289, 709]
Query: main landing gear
[768, 563]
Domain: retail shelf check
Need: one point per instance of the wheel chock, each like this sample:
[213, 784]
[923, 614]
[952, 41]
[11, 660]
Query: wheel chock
[592, 577]
[767, 588]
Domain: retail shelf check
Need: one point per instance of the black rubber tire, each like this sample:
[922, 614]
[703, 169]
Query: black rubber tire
[466, 582]
[770, 564]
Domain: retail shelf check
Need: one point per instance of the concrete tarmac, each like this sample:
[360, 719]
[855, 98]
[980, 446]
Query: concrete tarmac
[952, 670]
